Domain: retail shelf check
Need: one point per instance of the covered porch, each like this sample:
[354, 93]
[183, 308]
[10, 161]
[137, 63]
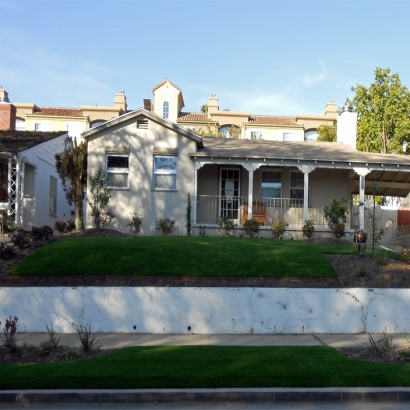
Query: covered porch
[290, 181]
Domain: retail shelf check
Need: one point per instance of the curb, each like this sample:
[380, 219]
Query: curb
[359, 395]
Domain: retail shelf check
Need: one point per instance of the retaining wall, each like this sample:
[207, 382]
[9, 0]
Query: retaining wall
[166, 310]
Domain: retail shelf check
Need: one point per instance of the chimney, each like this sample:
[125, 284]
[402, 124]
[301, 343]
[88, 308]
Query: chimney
[331, 110]
[213, 105]
[7, 112]
[347, 127]
[120, 101]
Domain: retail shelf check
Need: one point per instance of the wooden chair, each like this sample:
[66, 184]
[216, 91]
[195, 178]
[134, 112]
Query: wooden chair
[258, 212]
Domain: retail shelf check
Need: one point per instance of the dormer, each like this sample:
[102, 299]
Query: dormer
[168, 100]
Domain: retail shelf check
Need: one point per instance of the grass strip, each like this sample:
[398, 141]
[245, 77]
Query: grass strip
[182, 256]
[207, 367]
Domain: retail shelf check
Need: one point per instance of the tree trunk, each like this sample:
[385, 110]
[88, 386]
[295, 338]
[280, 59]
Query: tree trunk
[79, 214]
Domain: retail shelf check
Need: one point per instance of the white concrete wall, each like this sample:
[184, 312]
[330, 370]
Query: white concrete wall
[208, 310]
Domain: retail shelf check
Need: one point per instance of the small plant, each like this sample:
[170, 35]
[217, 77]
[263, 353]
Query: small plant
[52, 336]
[134, 223]
[7, 251]
[381, 260]
[251, 227]
[59, 226]
[64, 226]
[381, 346]
[403, 355]
[336, 216]
[86, 337]
[405, 255]
[278, 228]
[40, 234]
[188, 215]
[45, 348]
[9, 333]
[166, 225]
[20, 239]
[360, 272]
[226, 224]
[308, 228]
[73, 354]
[106, 217]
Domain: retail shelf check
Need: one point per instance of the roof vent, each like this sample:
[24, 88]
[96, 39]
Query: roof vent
[347, 108]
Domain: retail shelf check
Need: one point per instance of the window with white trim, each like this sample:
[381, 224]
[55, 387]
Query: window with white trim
[41, 126]
[271, 187]
[53, 196]
[118, 169]
[297, 184]
[20, 124]
[165, 110]
[256, 135]
[165, 172]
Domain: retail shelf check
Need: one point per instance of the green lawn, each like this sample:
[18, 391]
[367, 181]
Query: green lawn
[182, 256]
[207, 366]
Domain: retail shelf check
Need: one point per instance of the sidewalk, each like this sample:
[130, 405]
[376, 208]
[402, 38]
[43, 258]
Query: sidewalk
[119, 340]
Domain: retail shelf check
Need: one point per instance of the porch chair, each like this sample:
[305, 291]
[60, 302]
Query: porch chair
[258, 212]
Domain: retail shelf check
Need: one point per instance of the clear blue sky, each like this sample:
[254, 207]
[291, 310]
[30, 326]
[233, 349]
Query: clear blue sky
[266, 57]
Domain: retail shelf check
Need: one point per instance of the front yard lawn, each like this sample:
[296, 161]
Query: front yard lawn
[207, 367]
[182, 256]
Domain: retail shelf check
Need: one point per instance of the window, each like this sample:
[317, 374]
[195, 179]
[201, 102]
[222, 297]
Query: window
[311, 135]
[118, 167]
[96, 123]
[53, 196]
[297, 182]
[73, 129]
[256, 135]
[20, 124]
[271, 187]
[165, 110]
[165, 172]
[289, 136]
[41, 126]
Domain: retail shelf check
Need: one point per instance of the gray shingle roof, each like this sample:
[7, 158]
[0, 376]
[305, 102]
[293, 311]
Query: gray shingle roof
[17, 141]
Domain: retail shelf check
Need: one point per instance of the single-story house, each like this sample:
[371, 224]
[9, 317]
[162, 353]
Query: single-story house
[152, 164]
[30, 188]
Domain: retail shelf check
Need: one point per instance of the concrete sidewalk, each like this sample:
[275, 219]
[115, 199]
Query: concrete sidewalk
[119, 340]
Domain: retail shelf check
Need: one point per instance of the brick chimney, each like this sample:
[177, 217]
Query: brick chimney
[7, 112]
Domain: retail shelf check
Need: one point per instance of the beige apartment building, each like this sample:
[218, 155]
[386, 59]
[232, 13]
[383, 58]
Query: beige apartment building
[32, 117]
[169, 104]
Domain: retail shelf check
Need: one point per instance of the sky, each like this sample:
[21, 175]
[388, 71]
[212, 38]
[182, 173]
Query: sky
[267, 57]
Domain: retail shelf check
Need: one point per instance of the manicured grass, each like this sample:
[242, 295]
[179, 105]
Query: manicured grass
[207, 366]
[181, 256]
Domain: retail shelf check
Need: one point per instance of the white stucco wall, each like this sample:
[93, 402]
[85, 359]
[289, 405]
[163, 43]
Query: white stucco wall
[165, 310]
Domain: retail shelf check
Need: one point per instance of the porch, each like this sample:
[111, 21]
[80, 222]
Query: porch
[290, 210]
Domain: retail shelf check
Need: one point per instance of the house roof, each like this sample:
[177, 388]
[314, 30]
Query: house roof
[164, 82]
[320, 151]
[193, 116]
[17, 141]
[151, 116]
[59, 112]
[272, 120]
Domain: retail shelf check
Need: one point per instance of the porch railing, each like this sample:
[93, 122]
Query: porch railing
[209, 207]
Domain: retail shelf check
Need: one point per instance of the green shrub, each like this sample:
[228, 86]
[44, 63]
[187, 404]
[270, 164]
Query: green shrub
[251, 227]
[20, 238]
[361, 271]
[166, 225]
[40, 234]
[45, 348]
[336, 216]
[134, 223]
[382, 260]
[226, 224]
[405, 255]
[59, 226]
[73, 354]
[278, 228]
[64, 226]
[308, 228]
[7, 251]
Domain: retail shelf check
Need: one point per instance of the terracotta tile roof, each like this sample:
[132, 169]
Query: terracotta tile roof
[59, 112]
[321, 151]
[164, 82]
[192, 116]
[17, 141]
[272, 120]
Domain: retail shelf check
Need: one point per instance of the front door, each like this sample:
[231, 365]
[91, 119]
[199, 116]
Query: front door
[229, 192]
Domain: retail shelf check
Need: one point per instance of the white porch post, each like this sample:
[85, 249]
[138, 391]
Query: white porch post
[9, 184]
[362, 172]
[18, 197]
[21, 192]
[306, 169]
[197, 166]
[251, 168]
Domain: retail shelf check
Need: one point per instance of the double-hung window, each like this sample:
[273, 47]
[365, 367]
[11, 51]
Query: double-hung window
[271, 187]
[118, 169]
[165, 172]
[165, 110]
[53, 196]
[297, 188]
[41, 126]
[256, 135]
